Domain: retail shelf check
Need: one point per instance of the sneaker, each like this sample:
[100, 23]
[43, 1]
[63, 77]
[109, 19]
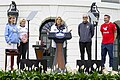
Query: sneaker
[15, 66]
[8, 68]
[110, 69]
[103, 68]
[118, 67]
[104, 71]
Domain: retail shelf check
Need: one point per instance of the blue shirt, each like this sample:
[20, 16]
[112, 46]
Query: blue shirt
[11, 34]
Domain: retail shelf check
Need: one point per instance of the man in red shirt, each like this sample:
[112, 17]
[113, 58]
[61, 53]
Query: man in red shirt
[108, 30]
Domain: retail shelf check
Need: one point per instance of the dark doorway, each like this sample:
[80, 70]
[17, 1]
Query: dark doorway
[116, 54]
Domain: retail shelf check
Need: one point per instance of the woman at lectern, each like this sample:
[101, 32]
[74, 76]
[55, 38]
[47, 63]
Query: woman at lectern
[59, 26]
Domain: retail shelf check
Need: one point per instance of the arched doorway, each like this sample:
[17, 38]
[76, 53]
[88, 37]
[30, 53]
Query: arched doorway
[49, 51]
[116, 54]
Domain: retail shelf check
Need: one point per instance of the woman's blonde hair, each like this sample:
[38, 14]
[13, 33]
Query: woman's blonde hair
[57, 19]
[9, 17]
[22, 20]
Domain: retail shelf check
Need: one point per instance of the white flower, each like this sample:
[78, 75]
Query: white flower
[66, 65]
[33, 66]
[60, 69]
[77, 67]
[42, 70]
[48, 70]
[82, 67]
[105, 71]
[54, 68]
[21, 70]
[11, 71]
[94, 66]
[114, 72]
[19, 66]
[42, 66]
[69, 69]
[17, 70]
[57, 66]
[89, 69]
[30, 69]
[26, 68]
[97, 69]
[100, 68]
[39, 64]
[74, 71]
[25, 65]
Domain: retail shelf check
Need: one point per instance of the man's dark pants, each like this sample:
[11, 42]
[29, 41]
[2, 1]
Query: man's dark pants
[86, 45]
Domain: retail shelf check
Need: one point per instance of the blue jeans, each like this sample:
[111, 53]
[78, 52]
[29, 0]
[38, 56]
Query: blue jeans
[104, 49]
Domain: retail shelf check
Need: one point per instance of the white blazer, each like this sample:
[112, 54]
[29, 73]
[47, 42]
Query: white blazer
[54, 29]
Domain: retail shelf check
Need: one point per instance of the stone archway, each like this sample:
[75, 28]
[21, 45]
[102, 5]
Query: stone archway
[47, 23]
[117, 22]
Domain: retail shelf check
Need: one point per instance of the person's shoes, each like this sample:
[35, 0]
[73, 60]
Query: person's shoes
[59, 70]
[118, 67]
[110, 69]
[104, 70]
[15, 66]
[8, 68]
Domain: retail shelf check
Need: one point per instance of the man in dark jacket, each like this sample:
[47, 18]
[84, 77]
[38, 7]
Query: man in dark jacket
[85, 32]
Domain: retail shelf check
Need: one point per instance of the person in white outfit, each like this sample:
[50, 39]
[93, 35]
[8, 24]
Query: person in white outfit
[59, 26]
[23, 32]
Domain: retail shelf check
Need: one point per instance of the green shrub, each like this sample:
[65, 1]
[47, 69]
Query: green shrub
[36, 75]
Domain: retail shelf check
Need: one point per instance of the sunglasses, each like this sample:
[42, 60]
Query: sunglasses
[85, 17]
[11, 18]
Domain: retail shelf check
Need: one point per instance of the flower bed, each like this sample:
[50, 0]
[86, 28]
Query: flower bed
[36, 75]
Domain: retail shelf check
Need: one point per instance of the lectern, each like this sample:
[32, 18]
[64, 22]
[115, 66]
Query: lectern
[59, 38]
[39, 49]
